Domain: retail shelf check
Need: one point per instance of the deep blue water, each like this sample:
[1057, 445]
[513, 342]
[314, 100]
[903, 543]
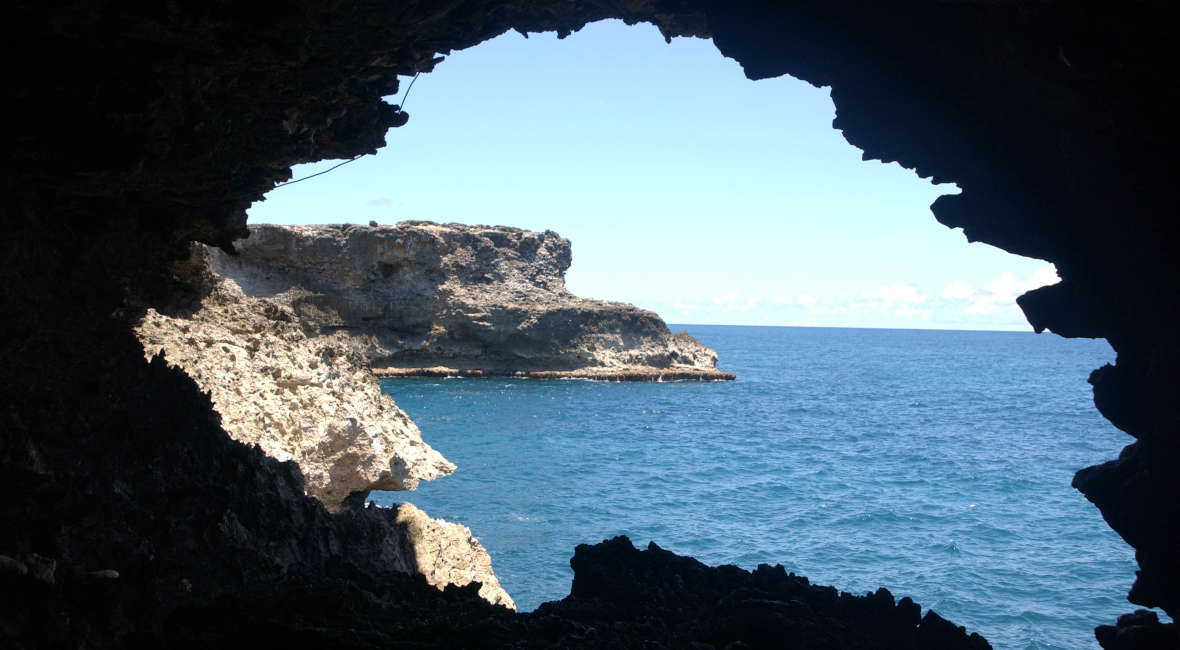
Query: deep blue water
[934, 463]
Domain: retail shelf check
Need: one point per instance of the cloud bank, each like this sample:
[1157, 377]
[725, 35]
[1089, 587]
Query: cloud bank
[957, 305]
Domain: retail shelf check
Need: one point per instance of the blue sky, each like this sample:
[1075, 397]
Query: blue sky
[684, 187]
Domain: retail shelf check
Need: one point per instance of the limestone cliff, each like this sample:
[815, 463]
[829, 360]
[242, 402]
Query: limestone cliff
[283, 334]
[425, 298]
[310, 398]
[306, 397]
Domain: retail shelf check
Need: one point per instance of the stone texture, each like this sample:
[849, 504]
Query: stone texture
[447, 554]
[302, 396]
[1056, 119]
[311, 398]
[422, 298]
[677, 602]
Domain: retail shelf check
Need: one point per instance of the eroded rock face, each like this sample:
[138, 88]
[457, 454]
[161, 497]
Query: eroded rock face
[311, 399]
[447, 554]
[1056, 119]
[302, 396]
[426, 298]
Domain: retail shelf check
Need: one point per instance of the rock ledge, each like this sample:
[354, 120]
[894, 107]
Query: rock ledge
[427, 299]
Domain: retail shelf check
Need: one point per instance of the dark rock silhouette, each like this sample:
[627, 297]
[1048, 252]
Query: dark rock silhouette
[133, 131]
[1140, 630]
[676, 601]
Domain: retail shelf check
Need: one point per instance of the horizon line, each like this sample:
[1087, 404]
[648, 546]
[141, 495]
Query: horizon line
[861, 327]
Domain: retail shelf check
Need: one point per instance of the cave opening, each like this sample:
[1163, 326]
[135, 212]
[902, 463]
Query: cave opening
[664, 163]
[1057, 122]
[526, 150]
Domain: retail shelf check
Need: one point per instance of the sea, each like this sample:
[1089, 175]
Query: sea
[934, 463]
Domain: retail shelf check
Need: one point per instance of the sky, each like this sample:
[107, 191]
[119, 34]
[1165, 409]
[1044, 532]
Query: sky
[684, 187]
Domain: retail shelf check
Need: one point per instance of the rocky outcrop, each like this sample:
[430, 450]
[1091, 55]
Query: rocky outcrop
[446, 553]
[1139, 630]
[677, 602]
[283, 333]
[422, 298]
[310, 398]
[302, 396]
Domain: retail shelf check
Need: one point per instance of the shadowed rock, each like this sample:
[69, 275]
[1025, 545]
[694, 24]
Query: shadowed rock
[1057, 120]
[675, 602]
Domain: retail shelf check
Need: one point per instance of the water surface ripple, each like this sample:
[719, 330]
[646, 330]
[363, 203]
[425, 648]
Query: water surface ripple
[934, 463]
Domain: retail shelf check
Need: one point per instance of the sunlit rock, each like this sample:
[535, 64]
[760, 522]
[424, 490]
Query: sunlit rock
[431, 299]
[303, 396]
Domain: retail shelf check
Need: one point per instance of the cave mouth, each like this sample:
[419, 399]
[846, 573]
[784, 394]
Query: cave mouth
[502, 186]
[639, 173]
[1057, 123]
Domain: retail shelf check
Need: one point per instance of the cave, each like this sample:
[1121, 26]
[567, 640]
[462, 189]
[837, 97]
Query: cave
[138, 131]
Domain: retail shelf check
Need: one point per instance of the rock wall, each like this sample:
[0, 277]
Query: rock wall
[425, 298]
[1056, 119]
[303, 396]
[1056, 122]
[311, 398]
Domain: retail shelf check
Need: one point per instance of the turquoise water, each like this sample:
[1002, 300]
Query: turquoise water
[934, 463]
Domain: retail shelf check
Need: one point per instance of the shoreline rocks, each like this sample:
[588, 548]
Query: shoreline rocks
[300, 396]
[427, 299]
[285, 334]
[640, 374]
[310, 398]
[446, 553]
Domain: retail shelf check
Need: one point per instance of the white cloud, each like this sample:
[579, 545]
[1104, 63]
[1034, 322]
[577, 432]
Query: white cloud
[900, 304]
[897, 293]
[907, 312]
[984, 305]
[1042, 277]
[1000, 294]
[957, 290]
[1006, 287]
[748, 305]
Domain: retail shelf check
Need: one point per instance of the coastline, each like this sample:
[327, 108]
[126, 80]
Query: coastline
[621, 374]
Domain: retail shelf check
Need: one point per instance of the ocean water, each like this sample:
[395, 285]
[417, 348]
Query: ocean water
[934, 463]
